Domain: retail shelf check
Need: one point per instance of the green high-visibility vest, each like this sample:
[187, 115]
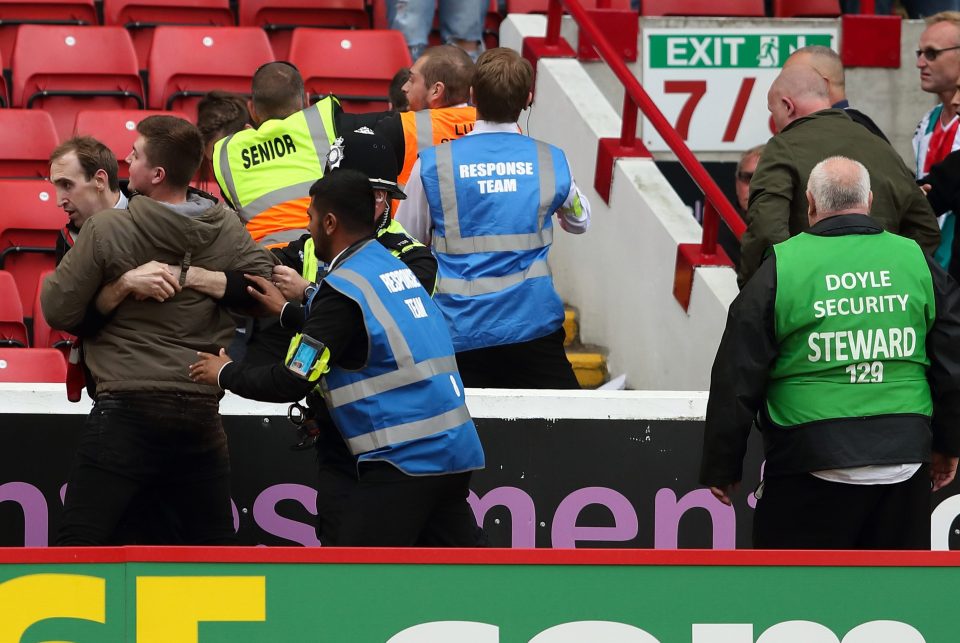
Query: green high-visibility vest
[852, 316]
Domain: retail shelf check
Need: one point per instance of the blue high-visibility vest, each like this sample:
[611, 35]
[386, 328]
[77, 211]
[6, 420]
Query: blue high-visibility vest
[406, 404]
[492, 198]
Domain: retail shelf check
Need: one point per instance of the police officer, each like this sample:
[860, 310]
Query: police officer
[846, 342]
[380, 350]
[266, 172]
[485, 202]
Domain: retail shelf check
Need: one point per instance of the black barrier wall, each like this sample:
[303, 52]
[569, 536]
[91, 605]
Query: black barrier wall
[548, 483]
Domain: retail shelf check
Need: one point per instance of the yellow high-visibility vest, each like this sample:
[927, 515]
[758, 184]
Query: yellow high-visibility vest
[266, 173]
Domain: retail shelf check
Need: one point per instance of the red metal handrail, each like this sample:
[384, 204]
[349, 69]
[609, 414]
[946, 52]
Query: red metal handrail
[636, 97]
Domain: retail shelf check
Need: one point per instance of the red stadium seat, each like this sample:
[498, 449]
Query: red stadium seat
[806, 8]
[280, 17]
[28, 138]
[117, 129]
[187, 62]
[357, 66]
[30, 223]
[13, 332]
[14, 13]
[701, 8]
[43, 335]
[141, 16]
[38, 365]
[540, 6]
[67, 69]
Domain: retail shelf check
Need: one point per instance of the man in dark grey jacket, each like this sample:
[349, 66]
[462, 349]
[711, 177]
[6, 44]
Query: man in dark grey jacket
[811, 131]
[152, 428]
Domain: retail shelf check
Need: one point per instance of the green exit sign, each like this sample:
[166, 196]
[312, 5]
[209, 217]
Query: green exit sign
[728, 50]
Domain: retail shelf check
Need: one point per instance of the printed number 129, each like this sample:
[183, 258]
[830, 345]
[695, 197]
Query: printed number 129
[865, 372]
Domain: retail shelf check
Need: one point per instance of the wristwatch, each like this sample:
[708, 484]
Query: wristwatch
[309, 292]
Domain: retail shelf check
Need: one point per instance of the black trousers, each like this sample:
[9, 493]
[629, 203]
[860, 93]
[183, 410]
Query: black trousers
[385, 507]
[538, 363]
[804, 512]
[157, 459]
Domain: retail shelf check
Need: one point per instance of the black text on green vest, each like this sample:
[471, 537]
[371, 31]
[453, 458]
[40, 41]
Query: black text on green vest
[852, 316]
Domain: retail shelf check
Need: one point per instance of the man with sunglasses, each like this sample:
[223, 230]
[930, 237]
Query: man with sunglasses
[938, 59]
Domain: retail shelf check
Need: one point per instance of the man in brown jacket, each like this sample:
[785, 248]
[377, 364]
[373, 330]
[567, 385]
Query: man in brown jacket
[810, 131]
[152, 428]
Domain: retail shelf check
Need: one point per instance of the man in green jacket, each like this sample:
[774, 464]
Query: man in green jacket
[844, 348]
[152, 432]
[811, 131]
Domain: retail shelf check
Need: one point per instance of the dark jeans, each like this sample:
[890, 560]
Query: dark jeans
[537, 363]
[159, 459]
[804, 512]
[387, 508]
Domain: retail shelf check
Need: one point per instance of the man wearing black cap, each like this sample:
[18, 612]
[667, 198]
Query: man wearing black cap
[380, 351]
[295, 282]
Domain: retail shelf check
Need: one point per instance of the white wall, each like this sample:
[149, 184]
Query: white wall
[620, 273]
[483, 403]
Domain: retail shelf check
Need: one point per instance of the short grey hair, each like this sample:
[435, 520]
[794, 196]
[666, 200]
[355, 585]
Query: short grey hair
[838, 183]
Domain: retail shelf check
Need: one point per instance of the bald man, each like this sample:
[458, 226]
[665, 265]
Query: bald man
[828, 65]
[810, 131]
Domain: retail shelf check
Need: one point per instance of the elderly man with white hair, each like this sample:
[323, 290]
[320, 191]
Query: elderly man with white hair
[844, 349]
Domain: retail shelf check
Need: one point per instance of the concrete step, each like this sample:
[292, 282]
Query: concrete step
[571, 326]
[589, 362]
[590, 367]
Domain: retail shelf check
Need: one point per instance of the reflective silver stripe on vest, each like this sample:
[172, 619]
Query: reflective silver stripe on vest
[275, 198]
[424, 124]
[409, 431]
[398, 343]
[282, 236]
[498, 243]
[452, 243]
[321, 143]
[389, 381]
[227, 173]
[487, 285]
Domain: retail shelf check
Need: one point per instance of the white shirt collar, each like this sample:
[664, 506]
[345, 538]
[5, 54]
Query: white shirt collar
[486, 127]
[122, 202]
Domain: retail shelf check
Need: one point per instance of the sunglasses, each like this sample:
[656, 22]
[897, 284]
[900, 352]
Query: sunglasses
[931, 54]
[744, 176]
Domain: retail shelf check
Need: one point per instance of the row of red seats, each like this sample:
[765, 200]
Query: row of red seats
[66, 69]
[30, 224]
[13, 322]
[140, 16]
[30, 136]
[41, 365]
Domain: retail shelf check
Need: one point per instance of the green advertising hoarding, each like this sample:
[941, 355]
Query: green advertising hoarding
[259, 595]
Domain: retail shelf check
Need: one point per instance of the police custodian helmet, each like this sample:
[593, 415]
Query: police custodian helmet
[369, 153]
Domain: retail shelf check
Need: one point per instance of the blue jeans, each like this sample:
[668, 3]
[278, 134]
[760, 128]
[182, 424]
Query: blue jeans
[157, 459]
[459, 20]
